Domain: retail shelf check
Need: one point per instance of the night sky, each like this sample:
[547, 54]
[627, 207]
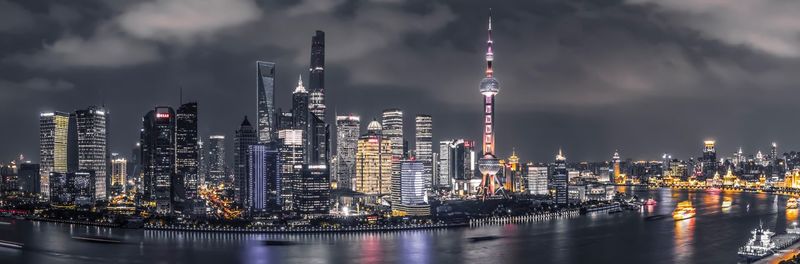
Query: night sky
[642, 76]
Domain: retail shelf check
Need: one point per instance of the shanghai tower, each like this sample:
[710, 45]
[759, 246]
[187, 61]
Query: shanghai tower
[316, 72]
[489, 87]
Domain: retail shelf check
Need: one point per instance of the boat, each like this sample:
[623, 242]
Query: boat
[97, 239]
[683, 211]
[791, 203]
[10, 244]
[650, 202]
[759, 246]
[727, 202]
[713, 190]
[615, 211]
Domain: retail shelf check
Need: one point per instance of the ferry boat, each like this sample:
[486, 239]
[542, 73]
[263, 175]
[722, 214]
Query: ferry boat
[727, 202]
[759, 246]
[791, 203]
[650, 202]
[683, 211]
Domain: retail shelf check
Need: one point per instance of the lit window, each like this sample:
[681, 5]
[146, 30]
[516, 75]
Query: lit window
[488, 109]
[488, 119]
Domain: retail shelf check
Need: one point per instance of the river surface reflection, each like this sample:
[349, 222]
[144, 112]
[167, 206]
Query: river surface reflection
[631, 237]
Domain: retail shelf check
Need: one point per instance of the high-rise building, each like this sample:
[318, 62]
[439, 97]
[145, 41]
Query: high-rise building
[413, 182]
[119, 172]
[291, 156]
[393, 131]
[537, 179]
[413, 198]
[187, 150]
[457, 160]
[319, 148]
[348, 129]
[266, 101]
[709, 162]
[53, 131]
[424, 148]
[316, 75]
[262, 182]
[312, 196]
[513, 182]
[158, 157]
[616, 174]
[28, 178]
[216, 159]
[489, 87]
[773, 152]
[89, 149]
[374, 162]
[561, 179]
[300, 108]
[285, 120]
[245, 136]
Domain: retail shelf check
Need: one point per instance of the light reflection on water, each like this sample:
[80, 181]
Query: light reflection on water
[711, 237]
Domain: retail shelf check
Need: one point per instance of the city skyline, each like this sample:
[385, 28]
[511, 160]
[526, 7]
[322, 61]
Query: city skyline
[548, 110]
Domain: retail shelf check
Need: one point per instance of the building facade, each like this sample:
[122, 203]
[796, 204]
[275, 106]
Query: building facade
[53, 138]
[266, 100]
[348, 129]
[424, 148]
[374, 160]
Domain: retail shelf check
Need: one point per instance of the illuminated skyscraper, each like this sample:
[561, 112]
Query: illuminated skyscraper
[374, 162]
[266, 101]
[186, 149]
[424, 148]
[709, 162]
[89, 146]
[292, 157]
[513, 180]
[616, 174]
[118, 175]
[216, 159]
[245, 136]
[392, 124]
[53, 131]
[561, 179]
[316, 75]
[158, 156]
[773, 152]
[413, 199]
[312, 197]
[489, 87]
[300, 106]
[457, 160]
[263, 184]
[348, 129]
[537, 179]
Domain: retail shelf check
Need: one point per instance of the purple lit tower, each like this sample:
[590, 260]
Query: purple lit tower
[488, 164]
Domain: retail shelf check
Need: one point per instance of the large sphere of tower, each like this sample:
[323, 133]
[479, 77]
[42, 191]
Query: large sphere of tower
[490, 85]
[489, 164]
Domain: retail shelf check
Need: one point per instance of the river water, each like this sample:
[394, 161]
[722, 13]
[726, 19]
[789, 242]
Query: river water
[711, 237]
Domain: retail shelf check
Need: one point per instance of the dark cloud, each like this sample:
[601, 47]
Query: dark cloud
[644, 77]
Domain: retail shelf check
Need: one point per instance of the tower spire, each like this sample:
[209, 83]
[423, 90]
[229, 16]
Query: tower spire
[489, 52]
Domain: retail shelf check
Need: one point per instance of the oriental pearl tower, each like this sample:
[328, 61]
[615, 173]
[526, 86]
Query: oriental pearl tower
[489, 165]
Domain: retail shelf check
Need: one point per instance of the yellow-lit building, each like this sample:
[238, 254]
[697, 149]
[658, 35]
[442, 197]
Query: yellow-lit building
[119, 174]
[619, 178]
[373, 162]
[514, 174]
[730, 180]
[53, 128]
[792, 179]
